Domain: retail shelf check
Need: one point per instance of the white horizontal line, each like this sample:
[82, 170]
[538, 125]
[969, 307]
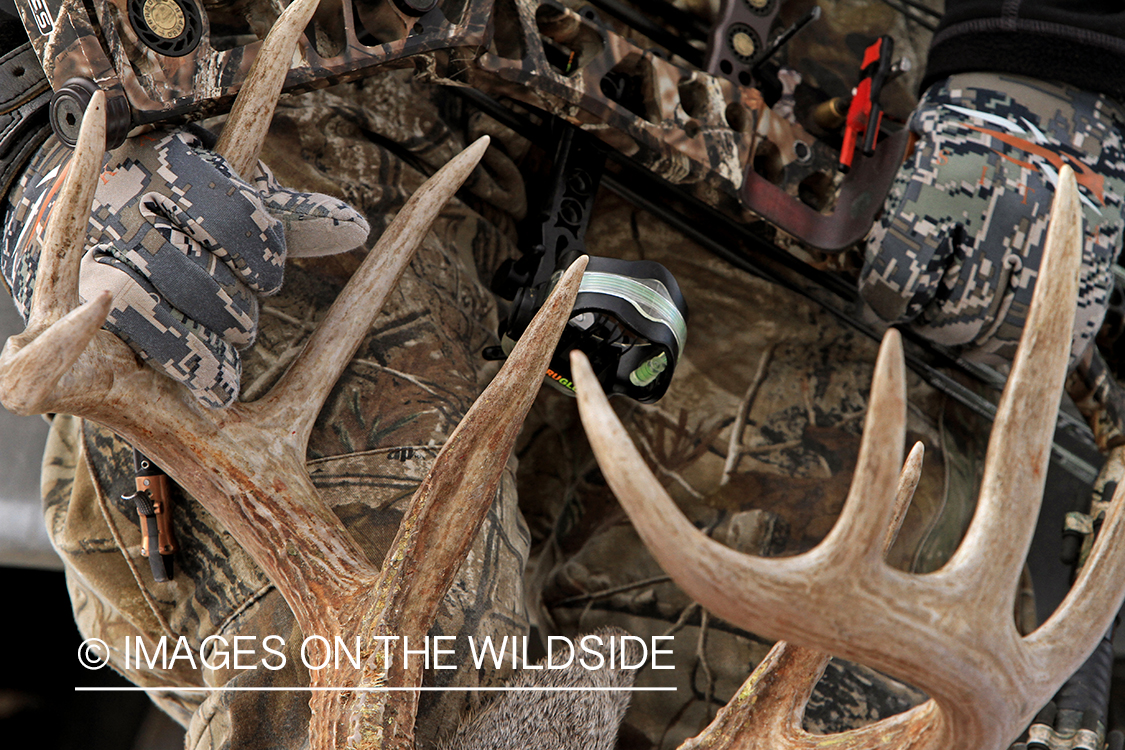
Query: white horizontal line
[135, 689]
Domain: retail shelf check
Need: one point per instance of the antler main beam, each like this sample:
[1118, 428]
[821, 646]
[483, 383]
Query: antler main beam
[950, 633]
[237, 461]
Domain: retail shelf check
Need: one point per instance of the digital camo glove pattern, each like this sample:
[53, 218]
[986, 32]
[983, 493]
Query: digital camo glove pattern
[184, 245]
[957, 251]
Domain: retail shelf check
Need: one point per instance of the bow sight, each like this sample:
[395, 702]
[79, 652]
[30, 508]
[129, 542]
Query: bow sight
[629, 318]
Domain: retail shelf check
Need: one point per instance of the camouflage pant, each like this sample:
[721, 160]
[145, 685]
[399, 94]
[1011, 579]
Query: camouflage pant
[957, 250]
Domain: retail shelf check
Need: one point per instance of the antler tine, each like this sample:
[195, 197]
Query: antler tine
[245, 129]
[57, 333]
[293, 404]
[472, 460]
[870, 507]
[707, 570]
[29, 376]
[56, 280]
[992, 554]
[448, 508]
[767, 711]
[907, 484]
[768, 708]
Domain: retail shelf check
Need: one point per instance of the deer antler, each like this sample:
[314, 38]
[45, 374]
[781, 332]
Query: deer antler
[774, 697]
[245, 464]
[241, 139]
[950, 633]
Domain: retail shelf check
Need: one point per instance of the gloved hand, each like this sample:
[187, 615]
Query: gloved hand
[957, 250]
[184, 244]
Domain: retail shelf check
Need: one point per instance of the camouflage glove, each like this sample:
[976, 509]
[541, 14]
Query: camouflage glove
[957, 250]
[184, 245]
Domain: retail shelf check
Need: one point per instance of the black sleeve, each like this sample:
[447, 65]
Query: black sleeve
[1076, 42]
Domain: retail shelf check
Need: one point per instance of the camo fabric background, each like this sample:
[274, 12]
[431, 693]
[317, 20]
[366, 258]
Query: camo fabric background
[408, 386]
[957, 251]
